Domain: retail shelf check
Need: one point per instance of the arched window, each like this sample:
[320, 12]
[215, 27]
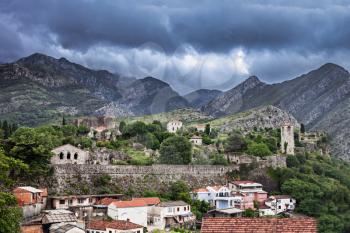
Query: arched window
[76, 156]
[68, 155]
[61, 155]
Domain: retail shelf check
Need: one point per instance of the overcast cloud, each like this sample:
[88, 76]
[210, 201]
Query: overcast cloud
[190, 44]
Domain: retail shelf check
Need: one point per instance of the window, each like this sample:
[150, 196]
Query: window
[185, 208]
[70, 202]
[62, 202]
[81, 200]
[178, 209]
[76, 156]
[169, 210]
[110, 231]
[87, 231]
[279, 207]
[68, 155]
[61, 155]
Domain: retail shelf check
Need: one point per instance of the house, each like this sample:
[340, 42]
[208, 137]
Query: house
[100, 208]
[31, 200]
[250, 191]
[174, 126]
[134, 210]
[196, 140]
[58, 218]
[81, 205]
[280, 203]
[271, 225]
[68, 154]
[229, 212]
[200, 127]
[265, 210]
[171, 214]
[218, 196]
[115, 226]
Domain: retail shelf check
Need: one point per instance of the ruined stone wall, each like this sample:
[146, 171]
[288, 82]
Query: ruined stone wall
[69, 177]
[155, 177]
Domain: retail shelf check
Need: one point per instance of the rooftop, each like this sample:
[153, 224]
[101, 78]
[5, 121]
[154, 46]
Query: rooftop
[172, 203]
[58, 216]
[245, 182]
[149, 200]
[200, 190]
[262, 225]
[65, 227]
[128, 204]
[86, 196]
[228, 210]
[114, 224]
[27, 189]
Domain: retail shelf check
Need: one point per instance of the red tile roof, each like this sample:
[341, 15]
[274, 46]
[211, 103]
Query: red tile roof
[200, 190]
[149, 200]
[114, 224]
[127, 204]
[106, 201]
[261, 225]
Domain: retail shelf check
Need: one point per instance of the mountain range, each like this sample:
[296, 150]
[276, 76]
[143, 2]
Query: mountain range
[39, 88]
[319, 99]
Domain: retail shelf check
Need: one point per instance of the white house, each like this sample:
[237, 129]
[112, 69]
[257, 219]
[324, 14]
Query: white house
[68, 154]
[134, 210]
[115, 226]
[197, 140]
[281, 203]
[218, 196]
[174, 126]
[172, 213]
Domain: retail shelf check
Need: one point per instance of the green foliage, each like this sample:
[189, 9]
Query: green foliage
[235, 143]
[219, 159]
[206, 140]
[292, 161]
[258, 149]
[10, 214]
[7, 129]
[179, 190]
[149, 140]
[250, 213]
[321, 187]
[33, 146]
[176, 150]
[207, 129]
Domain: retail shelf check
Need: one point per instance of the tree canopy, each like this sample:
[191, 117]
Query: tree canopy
[176, 150]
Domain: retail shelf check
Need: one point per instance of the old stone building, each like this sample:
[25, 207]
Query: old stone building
[68, 154]
[287, 138]
[196, 140]
[174, 126]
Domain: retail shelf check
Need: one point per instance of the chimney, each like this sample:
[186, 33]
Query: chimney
[128, 220]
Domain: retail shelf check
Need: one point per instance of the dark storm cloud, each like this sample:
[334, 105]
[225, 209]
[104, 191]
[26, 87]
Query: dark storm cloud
[279, 39]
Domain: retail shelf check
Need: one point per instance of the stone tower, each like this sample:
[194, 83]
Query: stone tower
[287, 138]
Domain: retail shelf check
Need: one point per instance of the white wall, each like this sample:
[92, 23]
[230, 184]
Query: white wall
[136, 215]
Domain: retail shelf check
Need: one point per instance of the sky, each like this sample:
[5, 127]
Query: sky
[191, 44]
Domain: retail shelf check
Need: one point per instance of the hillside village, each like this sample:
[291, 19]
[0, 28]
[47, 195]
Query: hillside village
[101, 155]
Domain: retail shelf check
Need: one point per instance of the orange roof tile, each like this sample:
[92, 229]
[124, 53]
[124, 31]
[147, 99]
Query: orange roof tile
[127, 204]
[149, 200]
[261, 225]
[200, 190]
[114, 224]
[106, 201]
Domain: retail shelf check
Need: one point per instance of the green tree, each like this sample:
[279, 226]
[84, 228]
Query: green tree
[292, 161]
[176, 150]
[258, 149]
[10, 214]
[302, 128]
[235, 143]
[33, 146]
[207, 129]
[179, 190]
[122, 126]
